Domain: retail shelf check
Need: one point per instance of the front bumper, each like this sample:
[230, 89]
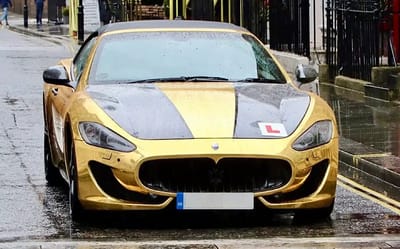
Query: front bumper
[110, 180]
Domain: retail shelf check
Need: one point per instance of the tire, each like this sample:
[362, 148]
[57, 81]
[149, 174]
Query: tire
[52, 173]
[75, 208]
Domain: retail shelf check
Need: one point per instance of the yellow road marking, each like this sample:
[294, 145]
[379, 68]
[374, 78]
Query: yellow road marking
[370, 194]
[356, 158]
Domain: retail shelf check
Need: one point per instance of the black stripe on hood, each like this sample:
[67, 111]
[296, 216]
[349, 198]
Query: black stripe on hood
[142, 110]
[268, 103]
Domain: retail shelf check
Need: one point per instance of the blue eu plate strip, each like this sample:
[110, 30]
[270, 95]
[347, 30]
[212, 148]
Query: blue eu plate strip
[179, 201]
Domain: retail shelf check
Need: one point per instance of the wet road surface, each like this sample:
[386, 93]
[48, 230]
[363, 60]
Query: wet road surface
[34, 215]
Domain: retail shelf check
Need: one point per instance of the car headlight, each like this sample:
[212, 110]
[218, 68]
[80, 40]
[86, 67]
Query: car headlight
[98, 135]
[318, 134]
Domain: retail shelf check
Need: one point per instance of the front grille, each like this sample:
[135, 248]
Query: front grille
[204, 175]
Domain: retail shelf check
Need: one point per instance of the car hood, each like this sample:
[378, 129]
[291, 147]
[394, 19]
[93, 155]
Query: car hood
[203, 110]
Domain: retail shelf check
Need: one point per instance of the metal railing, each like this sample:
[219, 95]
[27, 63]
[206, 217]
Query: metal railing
[289, 22]
[355, 40]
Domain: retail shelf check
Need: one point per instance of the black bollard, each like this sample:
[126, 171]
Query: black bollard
[25, 14]
[80, 22]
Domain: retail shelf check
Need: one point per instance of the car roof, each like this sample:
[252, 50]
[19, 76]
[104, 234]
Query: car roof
[168, 24]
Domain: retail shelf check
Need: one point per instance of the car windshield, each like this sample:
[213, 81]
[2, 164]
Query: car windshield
[137, 57]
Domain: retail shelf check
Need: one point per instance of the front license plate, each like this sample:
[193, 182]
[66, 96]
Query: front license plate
[215, 201]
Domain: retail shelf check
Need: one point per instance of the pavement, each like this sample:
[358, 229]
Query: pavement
[360, 164]
[50, 30]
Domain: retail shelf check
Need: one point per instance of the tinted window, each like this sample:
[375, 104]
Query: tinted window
[139, 56]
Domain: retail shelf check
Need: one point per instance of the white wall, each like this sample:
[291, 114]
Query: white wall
[318, 21]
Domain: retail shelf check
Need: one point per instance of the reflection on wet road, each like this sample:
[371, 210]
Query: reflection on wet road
[372, 123]
[352, 215]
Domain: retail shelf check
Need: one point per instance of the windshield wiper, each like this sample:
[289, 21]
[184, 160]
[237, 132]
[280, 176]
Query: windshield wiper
[177, 79]
[261, 80]
[205, 78]
[167, 79]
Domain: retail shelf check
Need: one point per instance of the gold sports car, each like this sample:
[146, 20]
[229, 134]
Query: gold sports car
[186, 114]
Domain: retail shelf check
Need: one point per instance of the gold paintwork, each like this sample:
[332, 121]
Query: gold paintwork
[75, 106]
[196, 106]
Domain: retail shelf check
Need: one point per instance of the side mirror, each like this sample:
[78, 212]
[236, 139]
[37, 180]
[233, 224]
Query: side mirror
[56, 75]
[305, 74]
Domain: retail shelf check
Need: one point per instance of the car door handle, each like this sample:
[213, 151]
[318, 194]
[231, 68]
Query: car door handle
[54, 91]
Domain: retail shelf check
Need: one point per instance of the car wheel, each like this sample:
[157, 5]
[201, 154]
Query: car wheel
[314, 214]
[75, 208]
[52, 174]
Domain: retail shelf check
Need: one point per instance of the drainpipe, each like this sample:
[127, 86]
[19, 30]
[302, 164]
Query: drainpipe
[184, 7]
[171, 9]
[241, 12]
[222, 10]
[230, 11]
[396, 27]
